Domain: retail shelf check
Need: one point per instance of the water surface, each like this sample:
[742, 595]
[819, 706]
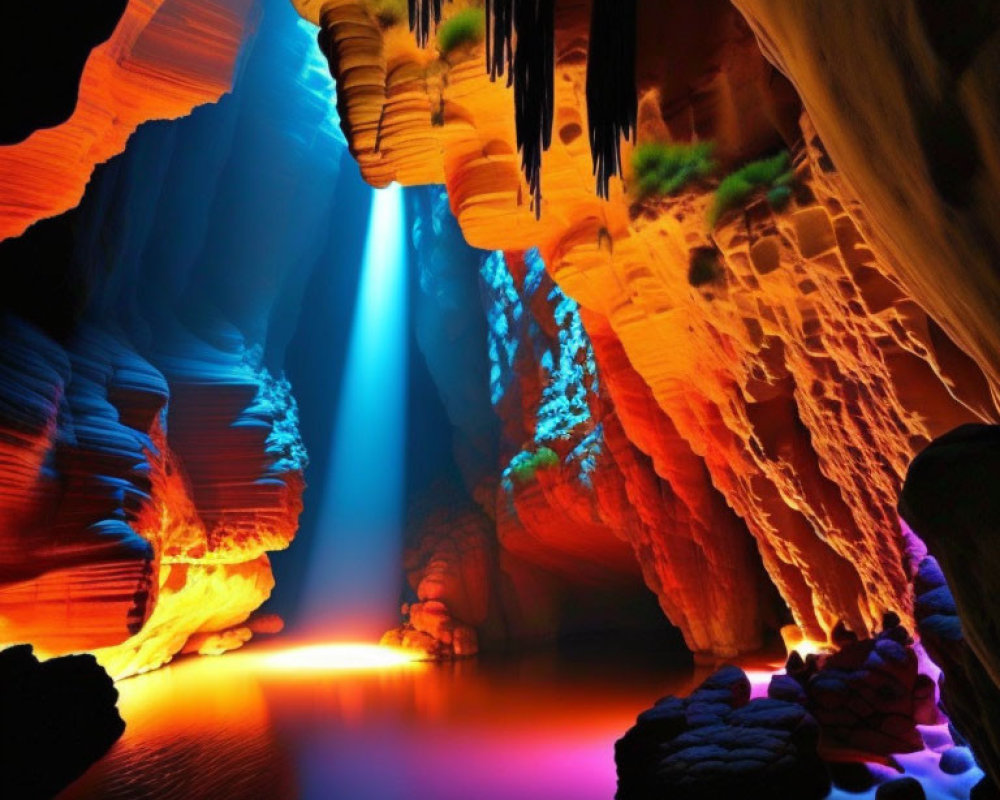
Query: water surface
[535, 726]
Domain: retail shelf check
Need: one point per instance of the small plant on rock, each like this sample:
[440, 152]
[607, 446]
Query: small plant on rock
[523, 469]
[664, 168]
[773, 175]
[466, 28]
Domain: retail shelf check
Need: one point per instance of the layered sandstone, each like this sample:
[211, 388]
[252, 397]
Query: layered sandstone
[150, 458]
[904, 97]
[796, 382]
[164, 58]
[560, 543]
[111, 541]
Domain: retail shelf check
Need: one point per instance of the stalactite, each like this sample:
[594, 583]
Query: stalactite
[421, 13]
[612, 103]
[534, 74]
[499, 35]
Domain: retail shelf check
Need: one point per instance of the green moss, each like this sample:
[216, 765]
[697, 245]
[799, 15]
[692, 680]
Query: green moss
[664, 168]
[778, 196]
[388, 12]
[467, 27]
[522, 470]
[769, 174]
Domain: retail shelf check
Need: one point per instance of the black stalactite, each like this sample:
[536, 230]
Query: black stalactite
[534, 76]
[499, 35]
[421, 14]
[612, 103]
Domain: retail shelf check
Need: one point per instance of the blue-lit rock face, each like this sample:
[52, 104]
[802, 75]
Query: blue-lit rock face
[579, 519]
[153, 440]
[538, 316]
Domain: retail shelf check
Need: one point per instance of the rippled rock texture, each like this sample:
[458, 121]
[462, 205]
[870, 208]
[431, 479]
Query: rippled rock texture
[779, 369]
[164, 58]
[57, 718]
[150, 457]
[561, 539]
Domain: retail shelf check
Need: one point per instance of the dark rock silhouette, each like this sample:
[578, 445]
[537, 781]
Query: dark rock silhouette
[43, 49]
[718, 743]
[57, 717]
[868, 697]
[950, 500]
[901, 789]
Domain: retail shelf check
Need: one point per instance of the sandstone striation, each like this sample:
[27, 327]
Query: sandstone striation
[903, 97]
[164, 58]
[793, 381]
[579, 508]
[151, 458]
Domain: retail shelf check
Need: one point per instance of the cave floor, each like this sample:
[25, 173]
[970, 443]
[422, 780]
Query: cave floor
[540, 725]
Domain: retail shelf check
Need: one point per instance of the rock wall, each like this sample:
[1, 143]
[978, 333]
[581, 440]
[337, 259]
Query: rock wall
[164, 58]
[151, 455]
[950, 501]
[579, 512]
[795, 383]
[903, 96]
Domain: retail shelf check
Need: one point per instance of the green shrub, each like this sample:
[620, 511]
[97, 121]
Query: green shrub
[389, 12]
[467, 27]
[771, 174]
[523, 469]
[664, 168]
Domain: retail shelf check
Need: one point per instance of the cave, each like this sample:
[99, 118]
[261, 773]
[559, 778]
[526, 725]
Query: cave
[542, 399]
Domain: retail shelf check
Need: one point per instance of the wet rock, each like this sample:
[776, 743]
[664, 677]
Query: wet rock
[719, 743]
[57, 718]
[956, 761]
[867, 697]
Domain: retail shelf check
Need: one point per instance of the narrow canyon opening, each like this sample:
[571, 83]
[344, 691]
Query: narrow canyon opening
[397, 397]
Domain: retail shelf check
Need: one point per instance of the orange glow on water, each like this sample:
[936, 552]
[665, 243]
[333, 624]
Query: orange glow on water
[293, 723]
[341, 657]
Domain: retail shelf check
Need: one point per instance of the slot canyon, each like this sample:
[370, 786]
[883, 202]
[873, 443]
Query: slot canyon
[450, 399]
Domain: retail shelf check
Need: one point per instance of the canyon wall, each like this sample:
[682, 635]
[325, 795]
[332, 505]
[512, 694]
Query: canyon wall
[164, 58]
[570, 512]
[781, 390]
[151, 456]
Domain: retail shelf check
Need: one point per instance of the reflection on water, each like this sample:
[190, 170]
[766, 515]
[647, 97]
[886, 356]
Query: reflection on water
[539, 726]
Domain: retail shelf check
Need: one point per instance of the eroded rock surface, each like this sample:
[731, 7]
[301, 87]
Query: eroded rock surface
[793, 381]
[164, 58]
[867, 697]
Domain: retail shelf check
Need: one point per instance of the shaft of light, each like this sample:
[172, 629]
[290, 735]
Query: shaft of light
[355, 570]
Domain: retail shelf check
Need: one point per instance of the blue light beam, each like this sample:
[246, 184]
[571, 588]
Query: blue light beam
[354, 576]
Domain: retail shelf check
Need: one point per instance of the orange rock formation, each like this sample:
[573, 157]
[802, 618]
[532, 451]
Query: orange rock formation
[795, 385]
[164, 58]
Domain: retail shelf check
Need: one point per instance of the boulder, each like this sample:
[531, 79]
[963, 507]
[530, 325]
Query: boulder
[719, 743]
[57, 717]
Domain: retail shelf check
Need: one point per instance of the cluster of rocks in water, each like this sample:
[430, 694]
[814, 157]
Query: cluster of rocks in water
[824, 717]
